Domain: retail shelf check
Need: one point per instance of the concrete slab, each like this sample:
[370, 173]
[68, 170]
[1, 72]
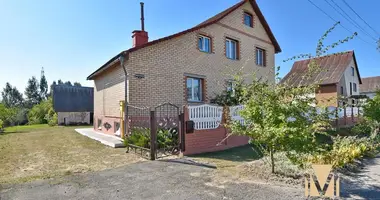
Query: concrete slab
[108, 140]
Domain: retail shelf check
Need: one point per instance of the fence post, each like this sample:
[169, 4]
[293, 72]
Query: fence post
[182, 130]
[345, 116]
[352, 114]
[153, 135]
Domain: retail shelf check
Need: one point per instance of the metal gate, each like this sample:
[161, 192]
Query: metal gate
[169, 134]
[163, 126]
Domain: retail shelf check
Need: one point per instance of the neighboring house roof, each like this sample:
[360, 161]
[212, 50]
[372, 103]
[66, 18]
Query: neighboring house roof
[73, 99]
[370, 84]
[208, 22]
[333, 67]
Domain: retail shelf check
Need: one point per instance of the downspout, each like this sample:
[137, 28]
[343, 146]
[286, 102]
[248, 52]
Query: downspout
[121, 58]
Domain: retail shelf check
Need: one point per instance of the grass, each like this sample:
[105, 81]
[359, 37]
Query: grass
[230, 157]
[40, 152]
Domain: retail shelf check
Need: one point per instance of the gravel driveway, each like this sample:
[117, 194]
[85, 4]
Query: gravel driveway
[148, 180]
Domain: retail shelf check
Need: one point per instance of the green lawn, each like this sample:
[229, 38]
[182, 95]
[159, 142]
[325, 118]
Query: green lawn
[230, 157]
[40, 151]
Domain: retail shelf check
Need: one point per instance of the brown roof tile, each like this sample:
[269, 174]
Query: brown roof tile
[208, 22]
[333, 67]
[370, 84]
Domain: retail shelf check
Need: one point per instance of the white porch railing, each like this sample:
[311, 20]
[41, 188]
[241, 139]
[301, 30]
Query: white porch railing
[205, 116]
[234, 113]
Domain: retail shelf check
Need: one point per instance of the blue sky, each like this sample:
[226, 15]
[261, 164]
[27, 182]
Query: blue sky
[71, 38]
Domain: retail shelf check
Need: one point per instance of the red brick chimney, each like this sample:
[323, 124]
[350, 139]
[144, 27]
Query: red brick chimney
[140, 37]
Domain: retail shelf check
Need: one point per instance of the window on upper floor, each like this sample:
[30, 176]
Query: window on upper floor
[341, 90]
[352, 71]
[260, 57]
[232, 49]
[194, 89]
[355, 87]
[248, 19]
[204, 44]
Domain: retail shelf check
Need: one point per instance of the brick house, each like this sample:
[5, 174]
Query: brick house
[339, 77]
[188, 67]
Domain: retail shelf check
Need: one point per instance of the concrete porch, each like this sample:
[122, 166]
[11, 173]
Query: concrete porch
[105, 139]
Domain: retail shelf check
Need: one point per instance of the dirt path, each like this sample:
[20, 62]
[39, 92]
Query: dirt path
[148, 180]
[364, 184]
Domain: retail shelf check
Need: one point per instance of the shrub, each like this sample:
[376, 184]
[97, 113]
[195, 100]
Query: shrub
[343, 151]
[139, 137]
[37, 115]
[363, 129]
[1, 126]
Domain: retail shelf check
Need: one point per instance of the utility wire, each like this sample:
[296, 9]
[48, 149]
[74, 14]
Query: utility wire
[360, 17]
[351, 32]
[348, 18]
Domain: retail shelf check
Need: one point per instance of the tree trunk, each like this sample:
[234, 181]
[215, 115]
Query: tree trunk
[272, 159]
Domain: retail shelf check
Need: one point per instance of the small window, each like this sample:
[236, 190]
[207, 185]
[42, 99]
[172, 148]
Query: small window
[350, 88]
[260, 57]
[204, 44]
[116, 126]
[352, 71]
[341, 90]
[99, 124]
[194, 89]
[231, 49]
[355, 87]
[248, 19]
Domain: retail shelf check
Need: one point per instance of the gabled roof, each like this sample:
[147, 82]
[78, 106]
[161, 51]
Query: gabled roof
[370, 84]
[208, 22]
[332, 70]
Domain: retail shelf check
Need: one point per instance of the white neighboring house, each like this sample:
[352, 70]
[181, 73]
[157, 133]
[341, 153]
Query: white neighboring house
[369, 86]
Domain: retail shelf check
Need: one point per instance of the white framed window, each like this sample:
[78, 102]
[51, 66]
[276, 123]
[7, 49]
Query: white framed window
[355, 87]
[352, 71]
[204, 44]
[194, 89]
[248, 19]
[260, 57]
[341, 90]
[231, 49]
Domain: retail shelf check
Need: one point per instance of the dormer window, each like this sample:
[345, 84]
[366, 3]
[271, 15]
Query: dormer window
[248, 19]
[204, 44]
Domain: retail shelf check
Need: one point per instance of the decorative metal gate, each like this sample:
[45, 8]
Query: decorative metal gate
[155, 133]
[168, 131]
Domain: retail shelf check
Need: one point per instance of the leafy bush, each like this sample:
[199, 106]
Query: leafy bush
[363, 128]
[139, 137]
[37, 115]
[1, 126]
[344, 150]
[167, 138]
[51, 117]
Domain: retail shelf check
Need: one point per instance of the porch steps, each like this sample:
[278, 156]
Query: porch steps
[105, 139]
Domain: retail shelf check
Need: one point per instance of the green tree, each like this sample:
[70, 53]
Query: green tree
[43, 86]
[11, 97]
[60, 82]
[32, 92]
[68, 83]
[40, 113]
[77, 84]
[281, 117]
